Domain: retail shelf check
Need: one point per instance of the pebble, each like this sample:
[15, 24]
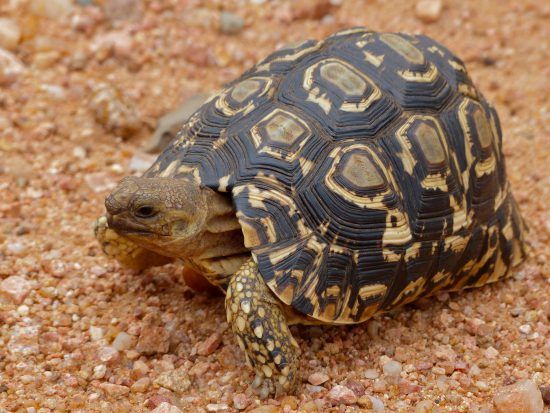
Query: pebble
[120, 43]
[99, 371]
[318, 378]
[491, 352]
[166, 408]
[241, 401]
[230, 23]
[10, 34]
[140, 162]
[114, 390]
[265, 409]
[289, 402]
[141, 385]
[341, 395]
[425, 406]
[377, 404]
[525, 329]
[114, 111]
[216, 407]
[371, 374]
[108, 354]
[392, 370]
[520, 397]
[175, 380]
[123, 341]
[10, 68]
[96, 333]
[364, 402]
[15, 288]
[209, 345]
[153, 340]
[429, 11]
[407, 387]
[379, 386]
[53, 9]
[23, 310]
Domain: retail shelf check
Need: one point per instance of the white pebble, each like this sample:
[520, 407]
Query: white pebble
[96, 333]
[99, 371]
[9, 34]
[525, 329]
[23, 310]
[123, 341]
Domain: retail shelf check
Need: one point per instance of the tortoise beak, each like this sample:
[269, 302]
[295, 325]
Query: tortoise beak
[121, 224]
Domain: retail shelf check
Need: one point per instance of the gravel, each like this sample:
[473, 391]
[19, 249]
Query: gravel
[79, 333]
[520, 397]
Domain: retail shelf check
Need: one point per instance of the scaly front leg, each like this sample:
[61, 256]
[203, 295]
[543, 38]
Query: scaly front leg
[258, 321]
[125, 251]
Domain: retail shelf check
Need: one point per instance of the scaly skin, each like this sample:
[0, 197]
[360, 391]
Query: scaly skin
[258, 321]
[125, 251]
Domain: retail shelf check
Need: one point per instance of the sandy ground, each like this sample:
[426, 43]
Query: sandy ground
[78, 333]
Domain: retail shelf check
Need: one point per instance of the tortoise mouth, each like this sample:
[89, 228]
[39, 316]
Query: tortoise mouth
[125, 226]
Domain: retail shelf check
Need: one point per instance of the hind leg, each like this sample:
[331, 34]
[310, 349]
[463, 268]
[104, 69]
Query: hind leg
[257, 319]
[125, 251]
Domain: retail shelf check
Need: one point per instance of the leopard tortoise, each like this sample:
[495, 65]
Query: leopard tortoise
[330, 182]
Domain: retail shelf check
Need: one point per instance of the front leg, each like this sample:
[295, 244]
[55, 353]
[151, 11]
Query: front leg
[125, 251]
[257, 319]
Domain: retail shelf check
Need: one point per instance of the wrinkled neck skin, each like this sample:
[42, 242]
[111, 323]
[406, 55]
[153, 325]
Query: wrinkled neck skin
[196, 225]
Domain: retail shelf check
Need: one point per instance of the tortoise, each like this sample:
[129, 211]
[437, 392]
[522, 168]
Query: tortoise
[333, 181]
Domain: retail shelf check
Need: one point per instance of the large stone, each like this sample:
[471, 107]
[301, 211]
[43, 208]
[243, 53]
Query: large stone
[520, 397]
[342, 395]
[15, 289]
[175, 380]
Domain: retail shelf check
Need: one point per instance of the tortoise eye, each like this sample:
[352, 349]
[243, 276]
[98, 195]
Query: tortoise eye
[145, 211]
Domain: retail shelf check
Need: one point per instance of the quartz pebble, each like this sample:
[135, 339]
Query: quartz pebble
[166, 408]
[10, 68]
[341, 395]
[491, 352]
[429, 11]
[10, 33]
[96, 333]
[53, 9]
[241, 401]
[265, 409]
[15, 288]
[318, 378]
[108, 354]
[114, 390]
[377, 404]
[114, 111]
[371, 374]
[123, 341]
[141, 385]
[230, 23]
[520, 397]
[153, 340]
[392, 370]
[175, 380]
[99, 371]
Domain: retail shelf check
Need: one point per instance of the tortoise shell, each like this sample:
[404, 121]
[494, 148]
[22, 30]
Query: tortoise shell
[366, 170]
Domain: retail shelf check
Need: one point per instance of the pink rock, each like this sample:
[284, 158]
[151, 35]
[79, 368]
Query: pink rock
[520, 397]
[156, 400]
[317, 378]
[342, 395]
[108, 354]
[241, 401]
[406, 387]
[429, 11]
[209, 345]
[114, 390]
[166, 408]
[15, 288]
[491, 353]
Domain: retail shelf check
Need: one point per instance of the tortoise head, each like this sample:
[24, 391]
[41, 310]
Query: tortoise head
[165, 215]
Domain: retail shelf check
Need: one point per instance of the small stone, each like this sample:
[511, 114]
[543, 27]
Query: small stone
[425, 406]
[241, 401]
[141, 385]
[429, 11]
[53, 9]
[123, 341]
[153, 340]
[230, 23]
[15, 289]
[156, 400]
[392, 370]
[216, 407]
[114, 111]
[520, 397]
[290, 402]
[114, 390]
[10, 33]
[364, 402]
[140, 162]
[377, 404]
[119, 43]
[482, 385]
[165, 407]
[406, 387]
[209, 345]
[10, 68]
[139, 369]
[175, 380]
[96, 333]
[491, 352]
[99, 371]
[379, 386]
[371, 374]
[265, 409]
[108, 354]
[356, 386]
[525, 329]
[318, 378]
[341, 395]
